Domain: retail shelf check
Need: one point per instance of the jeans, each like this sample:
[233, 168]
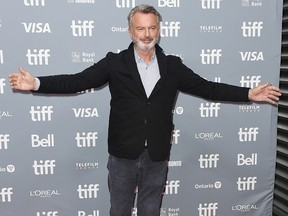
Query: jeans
[123, 178]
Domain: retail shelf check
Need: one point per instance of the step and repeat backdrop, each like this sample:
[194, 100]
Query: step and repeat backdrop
[53, 148]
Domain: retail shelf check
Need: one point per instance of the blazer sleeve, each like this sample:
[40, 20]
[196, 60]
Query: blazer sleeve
[192, 83]
[94, 76]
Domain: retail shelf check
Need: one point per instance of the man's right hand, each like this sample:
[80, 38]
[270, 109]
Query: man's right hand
[22, 80]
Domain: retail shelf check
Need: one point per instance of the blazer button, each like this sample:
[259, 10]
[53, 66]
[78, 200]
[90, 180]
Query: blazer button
[148, 102]
[145, 121]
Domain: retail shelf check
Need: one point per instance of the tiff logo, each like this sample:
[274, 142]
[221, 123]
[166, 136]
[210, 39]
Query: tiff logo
[44, 167]
[94, 213]
[38, 57]
[1, 57]
[210, 4]
[210, 56]
[248, 134]
[207, 209]
[2, 84]
[169, 29]
[86, 139]
[4, 140]
[208, 161]
[176, 135]
[246, 183]
[125, 3]
[252, 29]
[48, 213]
[82, 28]
[34, 2]
[172, 187]
[250, 82]
[209, 110]
[6, 194]
[43, 113]
[88, 191]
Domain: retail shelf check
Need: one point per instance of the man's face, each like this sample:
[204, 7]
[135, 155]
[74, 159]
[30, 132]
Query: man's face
[144, 31]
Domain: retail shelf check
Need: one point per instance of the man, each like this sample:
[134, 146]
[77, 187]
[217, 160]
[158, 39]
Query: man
[143, 83]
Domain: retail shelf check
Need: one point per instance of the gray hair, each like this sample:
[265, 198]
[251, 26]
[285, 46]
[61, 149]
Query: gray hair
[146, 9]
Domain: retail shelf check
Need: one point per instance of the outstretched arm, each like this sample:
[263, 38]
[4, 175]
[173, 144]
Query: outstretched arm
[22, 80]
[265, 93]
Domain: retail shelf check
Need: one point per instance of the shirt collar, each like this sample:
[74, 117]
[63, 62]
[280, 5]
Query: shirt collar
[139, 59]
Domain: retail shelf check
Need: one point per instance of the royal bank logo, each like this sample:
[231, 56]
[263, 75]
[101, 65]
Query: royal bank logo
[169, 29]
[169, 3]
[33, 3]
[125, 3]
[251, 3]
[211, 29]
[4, 141]
[85, 57]
[2, 85]
[82, 28]
[211, 4]
[252, 29]
[38, 57]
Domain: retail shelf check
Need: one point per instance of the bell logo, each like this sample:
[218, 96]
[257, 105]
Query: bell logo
[94, 213]
[169, 3]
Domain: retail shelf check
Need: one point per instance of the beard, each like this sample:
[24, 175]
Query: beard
[142, 44]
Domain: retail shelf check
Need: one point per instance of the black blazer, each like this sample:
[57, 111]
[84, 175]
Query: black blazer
[135, 118]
